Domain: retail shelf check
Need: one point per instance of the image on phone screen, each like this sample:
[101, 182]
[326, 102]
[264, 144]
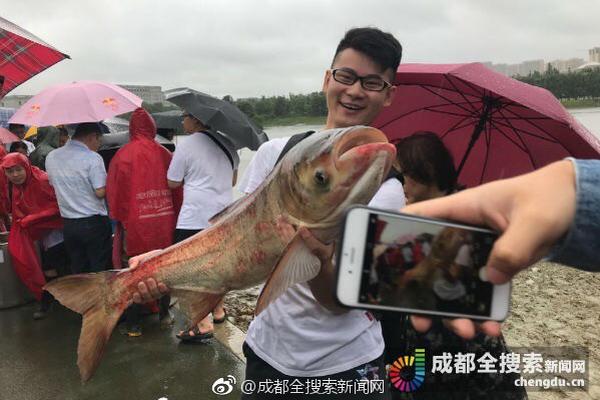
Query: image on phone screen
[425, 266]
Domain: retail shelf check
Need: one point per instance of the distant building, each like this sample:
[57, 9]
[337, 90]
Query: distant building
[594, 54]
[14, 101]
[589, 65]
[564, 66]
[150, 94]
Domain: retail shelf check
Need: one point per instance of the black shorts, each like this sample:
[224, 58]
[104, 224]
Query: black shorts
[343, 385]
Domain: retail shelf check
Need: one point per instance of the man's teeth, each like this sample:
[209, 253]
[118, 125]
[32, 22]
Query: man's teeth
[351, 106]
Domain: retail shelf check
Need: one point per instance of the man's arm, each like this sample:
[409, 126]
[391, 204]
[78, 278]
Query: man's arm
[100, 192]
[533, 212]
[174, 184]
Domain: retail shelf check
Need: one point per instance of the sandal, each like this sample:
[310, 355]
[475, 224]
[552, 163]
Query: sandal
[185, 336]
[222, 319]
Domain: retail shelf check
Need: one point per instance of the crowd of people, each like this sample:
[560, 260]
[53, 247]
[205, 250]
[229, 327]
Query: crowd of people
[89, 220]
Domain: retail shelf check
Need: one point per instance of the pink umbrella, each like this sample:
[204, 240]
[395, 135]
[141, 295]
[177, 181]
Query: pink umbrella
[22, 56]
[71, 103]
[7, 136]
[495, 126]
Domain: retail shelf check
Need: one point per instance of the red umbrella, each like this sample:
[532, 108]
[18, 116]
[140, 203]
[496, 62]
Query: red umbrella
[495, 126]
[7, 136]
[22, 56]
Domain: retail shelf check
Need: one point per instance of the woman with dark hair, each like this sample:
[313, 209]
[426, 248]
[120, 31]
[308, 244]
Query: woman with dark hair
[427, 167]
[428, 170]
[18, 147]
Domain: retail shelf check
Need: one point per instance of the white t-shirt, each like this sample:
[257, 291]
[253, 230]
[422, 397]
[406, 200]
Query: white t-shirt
[207, 176]
[261, 164]
[295, 334]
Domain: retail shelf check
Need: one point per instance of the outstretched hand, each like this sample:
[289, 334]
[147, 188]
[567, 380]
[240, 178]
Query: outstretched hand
[531, 211]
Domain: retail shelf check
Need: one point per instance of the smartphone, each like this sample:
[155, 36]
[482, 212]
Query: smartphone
[399, 262]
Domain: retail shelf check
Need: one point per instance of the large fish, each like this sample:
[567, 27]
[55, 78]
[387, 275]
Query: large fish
[312, 186]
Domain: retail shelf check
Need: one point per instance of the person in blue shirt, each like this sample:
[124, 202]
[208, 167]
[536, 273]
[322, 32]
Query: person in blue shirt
[77, 173]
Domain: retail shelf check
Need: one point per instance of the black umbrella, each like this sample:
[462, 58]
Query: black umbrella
[168, 119]
[112, 142]
[223, 117]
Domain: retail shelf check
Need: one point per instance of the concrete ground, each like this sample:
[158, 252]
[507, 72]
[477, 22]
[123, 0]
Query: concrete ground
[38, 361]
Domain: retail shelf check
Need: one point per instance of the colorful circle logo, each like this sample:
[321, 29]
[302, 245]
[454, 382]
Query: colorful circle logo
[407, 373]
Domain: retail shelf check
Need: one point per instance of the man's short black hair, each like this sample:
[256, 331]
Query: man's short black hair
[381, 47]
[87, 128]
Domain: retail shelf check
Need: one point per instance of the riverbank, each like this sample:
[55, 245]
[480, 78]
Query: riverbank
[287, 121]
[580, 103]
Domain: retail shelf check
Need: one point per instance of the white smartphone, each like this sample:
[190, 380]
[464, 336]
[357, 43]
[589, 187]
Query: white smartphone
[399, 262]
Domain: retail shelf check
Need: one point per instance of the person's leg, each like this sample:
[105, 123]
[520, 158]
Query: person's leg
[164, 315]
[133, 320]
[99, 243]
[219, 313]
[74, 232]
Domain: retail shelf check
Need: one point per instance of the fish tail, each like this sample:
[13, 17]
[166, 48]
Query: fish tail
[86, 294]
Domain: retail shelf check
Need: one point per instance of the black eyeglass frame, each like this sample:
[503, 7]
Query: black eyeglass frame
[386, 84]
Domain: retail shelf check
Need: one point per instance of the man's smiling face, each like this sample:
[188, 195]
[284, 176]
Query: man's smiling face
[352, 104]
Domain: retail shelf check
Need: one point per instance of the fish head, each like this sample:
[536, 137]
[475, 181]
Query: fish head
[331, 170]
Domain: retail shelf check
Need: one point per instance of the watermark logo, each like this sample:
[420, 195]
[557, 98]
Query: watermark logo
[223, 386]
[407, 373]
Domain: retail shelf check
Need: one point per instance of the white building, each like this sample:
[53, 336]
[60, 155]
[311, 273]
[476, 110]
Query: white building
[150, 94]
[14, 101]
[594, 54]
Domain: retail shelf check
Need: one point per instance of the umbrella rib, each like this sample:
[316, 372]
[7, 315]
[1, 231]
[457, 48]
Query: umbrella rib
[526, 148]
[538, 127]
[449, 101]
[487, 150]
[461, 93]
[456, 126]
[507, 124]
[513, 141]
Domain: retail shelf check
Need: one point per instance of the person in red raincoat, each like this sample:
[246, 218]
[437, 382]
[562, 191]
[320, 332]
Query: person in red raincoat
[4, 199]
[35, 215]
[141, 202]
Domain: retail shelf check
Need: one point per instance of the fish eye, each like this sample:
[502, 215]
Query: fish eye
[321, 177]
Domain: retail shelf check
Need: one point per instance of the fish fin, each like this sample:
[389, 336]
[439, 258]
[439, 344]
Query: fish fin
[297, 264]
[196, 305]
[226, 211]
[85, 294]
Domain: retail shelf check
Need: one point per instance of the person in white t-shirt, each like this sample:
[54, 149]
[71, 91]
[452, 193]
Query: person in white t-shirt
[304, 335]
[207, 176]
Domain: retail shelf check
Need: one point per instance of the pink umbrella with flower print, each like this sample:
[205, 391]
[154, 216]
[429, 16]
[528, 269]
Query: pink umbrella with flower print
[71, 103]
[495, 126]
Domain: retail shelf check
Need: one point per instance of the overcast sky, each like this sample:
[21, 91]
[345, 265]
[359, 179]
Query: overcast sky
[249, 48]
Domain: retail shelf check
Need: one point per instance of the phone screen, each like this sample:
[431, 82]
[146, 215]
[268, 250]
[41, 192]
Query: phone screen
[426, 266]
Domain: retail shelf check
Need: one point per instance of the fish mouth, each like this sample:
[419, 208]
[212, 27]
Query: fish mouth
[362, 143]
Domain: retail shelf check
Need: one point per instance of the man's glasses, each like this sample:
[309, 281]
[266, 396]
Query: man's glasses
[373, 83]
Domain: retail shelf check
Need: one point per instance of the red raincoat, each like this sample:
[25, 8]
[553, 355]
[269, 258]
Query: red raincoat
[137, 192]
[4, 200]
[35, 213]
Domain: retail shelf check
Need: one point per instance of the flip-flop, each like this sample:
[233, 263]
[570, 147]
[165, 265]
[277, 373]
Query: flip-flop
[185, 336]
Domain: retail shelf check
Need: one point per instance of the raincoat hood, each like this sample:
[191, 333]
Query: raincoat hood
[142, 125]
[14, 159]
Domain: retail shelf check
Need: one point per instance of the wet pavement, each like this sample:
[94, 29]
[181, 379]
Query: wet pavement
[38, 361]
